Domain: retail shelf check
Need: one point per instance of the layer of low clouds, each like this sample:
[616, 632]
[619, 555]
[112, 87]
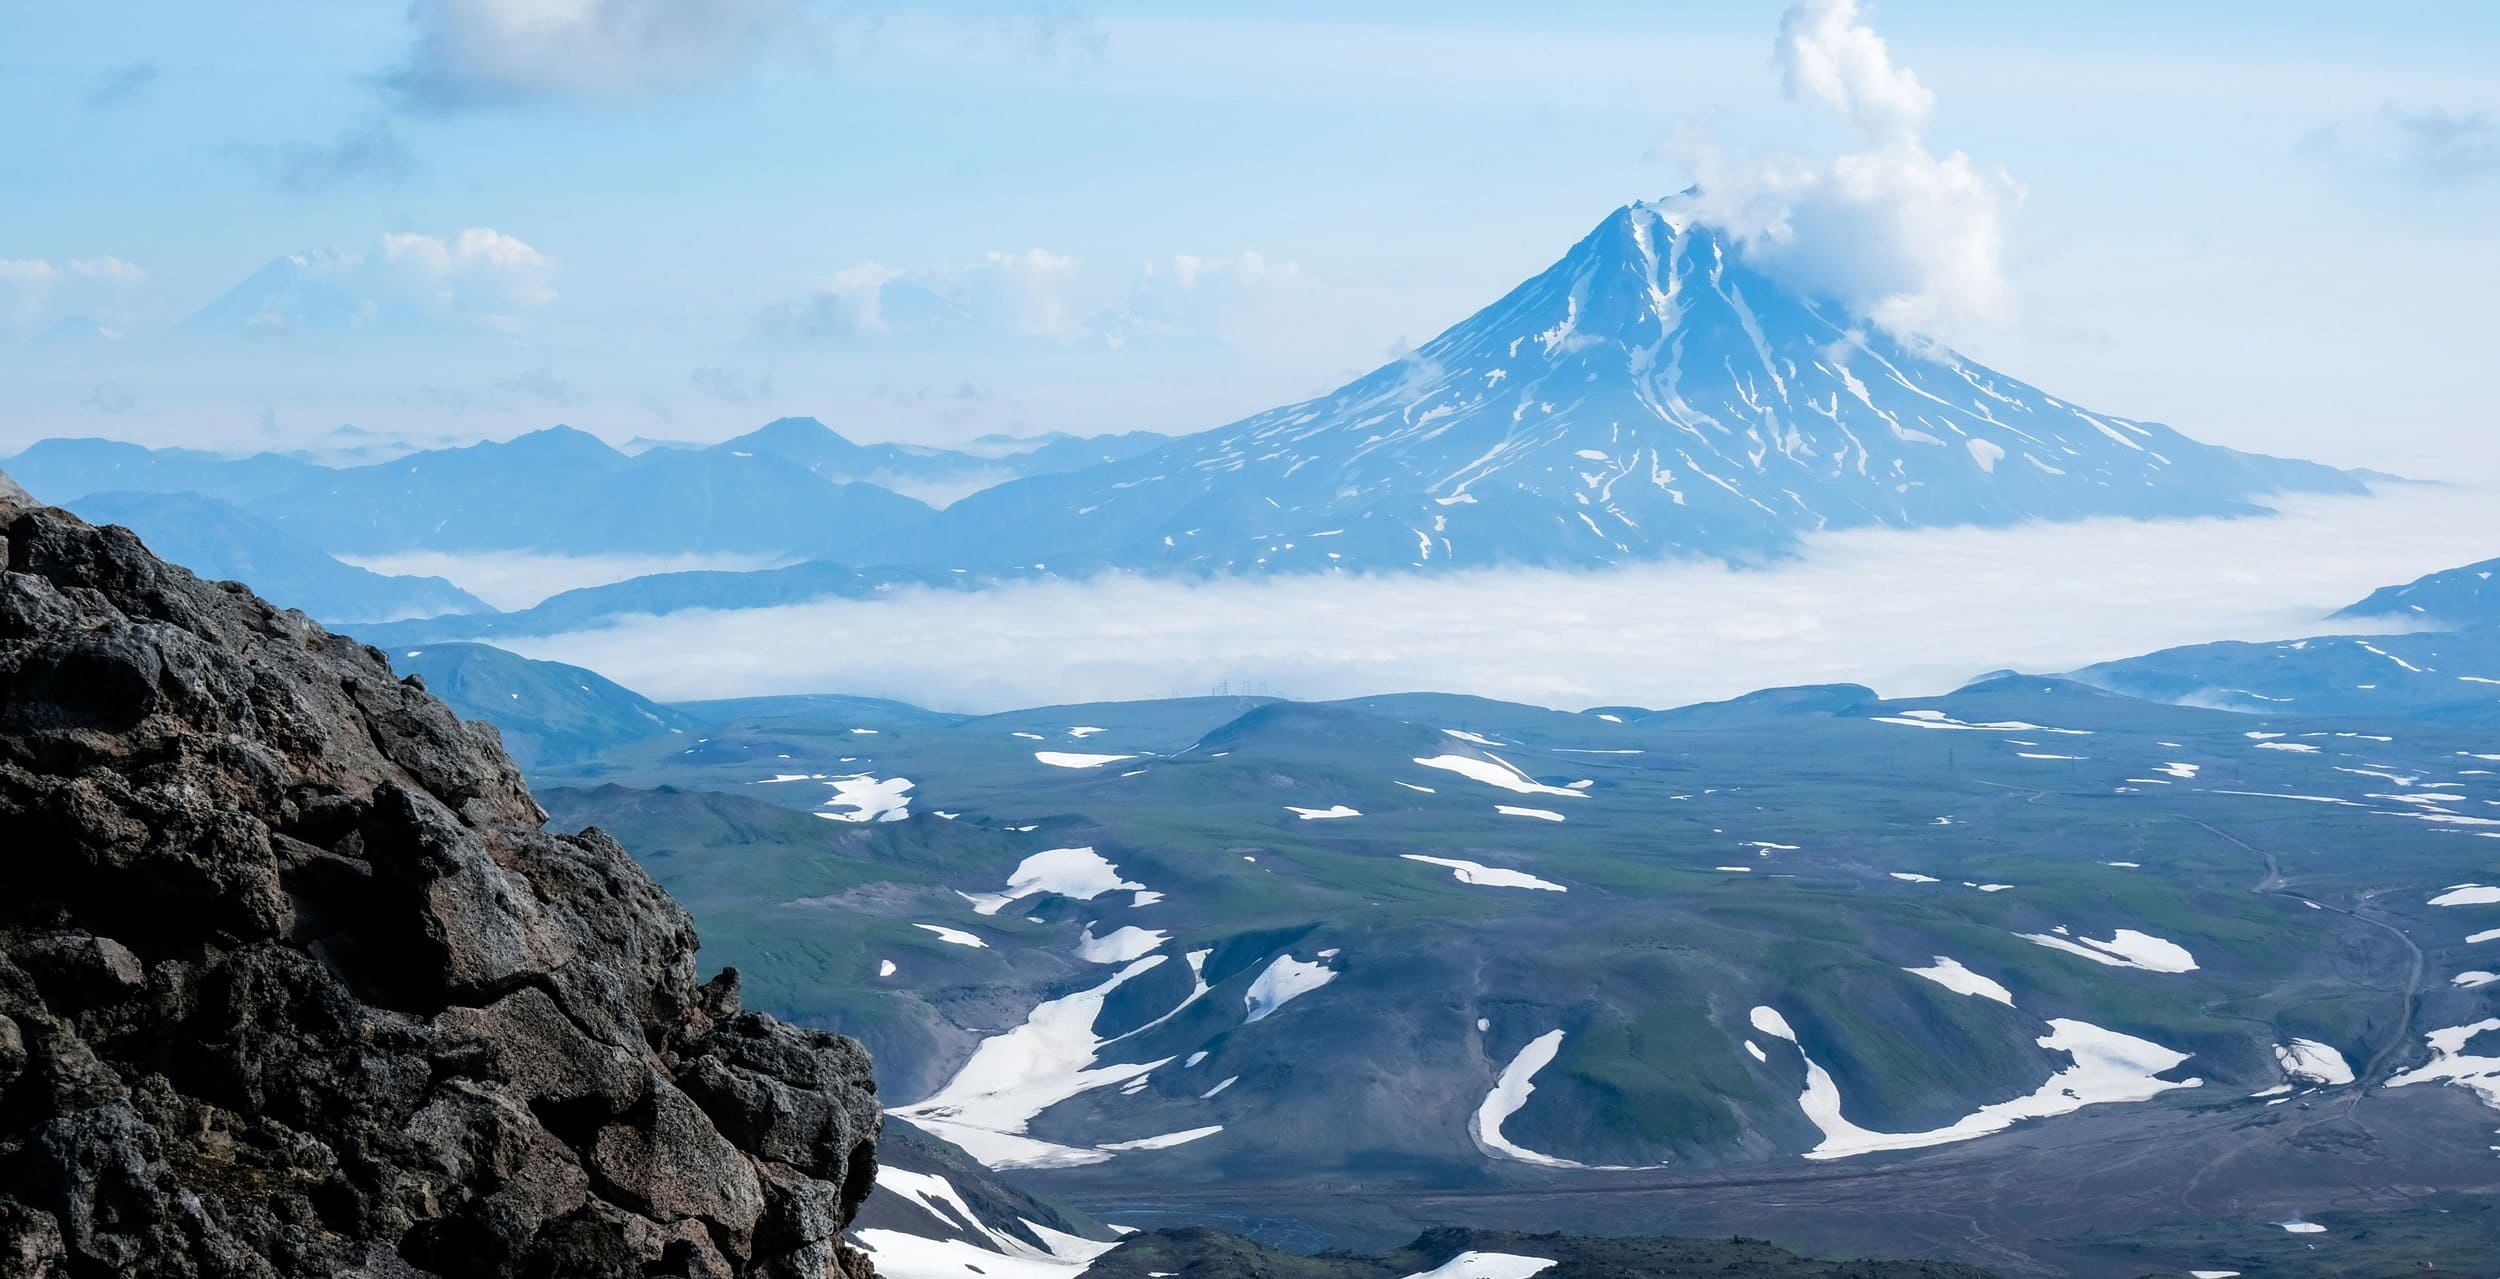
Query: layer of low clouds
[1904, 237]
[1907, 612]
[518, 579]
[2429, 146]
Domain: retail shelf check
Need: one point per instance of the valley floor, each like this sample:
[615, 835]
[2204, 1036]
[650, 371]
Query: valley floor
[2396, 1178]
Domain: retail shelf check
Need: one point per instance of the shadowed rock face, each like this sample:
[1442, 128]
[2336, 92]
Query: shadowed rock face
[292, 983]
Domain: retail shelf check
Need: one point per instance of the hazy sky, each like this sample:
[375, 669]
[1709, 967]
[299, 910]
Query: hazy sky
[2266, 223]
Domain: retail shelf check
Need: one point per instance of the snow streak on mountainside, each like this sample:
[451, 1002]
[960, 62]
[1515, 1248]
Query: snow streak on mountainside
[1647, 395]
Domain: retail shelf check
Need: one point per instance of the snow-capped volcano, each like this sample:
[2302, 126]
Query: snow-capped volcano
[1649, 394]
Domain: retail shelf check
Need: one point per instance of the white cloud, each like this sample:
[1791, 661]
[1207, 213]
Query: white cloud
[107, 272]
[848, 303]
[1827, 54]
[1027, 290]
[1905, 238]
[518, 579]
[472, 51]
[34, 291]
[1907, 612]
[1022, 294]
[1188, 295]
[477, 267]
[29, 282]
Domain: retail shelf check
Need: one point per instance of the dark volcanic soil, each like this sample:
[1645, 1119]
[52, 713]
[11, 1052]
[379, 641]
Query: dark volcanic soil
[2147, 1190]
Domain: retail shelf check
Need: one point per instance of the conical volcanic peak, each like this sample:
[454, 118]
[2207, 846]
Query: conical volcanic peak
[1649, 394]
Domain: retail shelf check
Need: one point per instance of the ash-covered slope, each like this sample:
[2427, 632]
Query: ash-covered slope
[291, 982]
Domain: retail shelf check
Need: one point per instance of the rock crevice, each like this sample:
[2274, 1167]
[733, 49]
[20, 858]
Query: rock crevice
[293, 983]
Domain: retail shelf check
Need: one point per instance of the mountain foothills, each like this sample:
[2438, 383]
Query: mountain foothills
[2457, 597]
[2034, 976]
[2173, 965]
[293, 982]
[1650, 394]
[2443, 665]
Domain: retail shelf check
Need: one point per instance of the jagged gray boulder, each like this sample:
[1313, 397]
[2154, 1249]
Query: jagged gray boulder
[292, 983]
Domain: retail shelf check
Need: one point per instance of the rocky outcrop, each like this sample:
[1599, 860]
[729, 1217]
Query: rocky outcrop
[293, 983]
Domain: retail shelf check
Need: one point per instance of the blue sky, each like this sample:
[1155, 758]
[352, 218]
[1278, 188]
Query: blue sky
[2265, 223]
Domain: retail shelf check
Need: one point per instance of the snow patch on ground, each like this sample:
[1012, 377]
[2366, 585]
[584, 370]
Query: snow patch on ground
[2316, 1062]
[2126, 948]
[955, 935]
[2450, 1064]
[987, 1251]
[2108, 1067]
[1467, 872]
[863, 798]
[1120, 945]
[1510, 1092]
[1494, 771]
[1165, 1141]
[2468, 895]
[1486, 1265]
[1938, 719]
[1077, 759]
[1950, 974]
[1079, 873]
[1013, 1077]
[1328, 814]
[1541, 814]
[1281, 982]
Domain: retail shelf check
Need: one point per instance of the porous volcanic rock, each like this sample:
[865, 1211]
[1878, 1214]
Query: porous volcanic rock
[293, 983]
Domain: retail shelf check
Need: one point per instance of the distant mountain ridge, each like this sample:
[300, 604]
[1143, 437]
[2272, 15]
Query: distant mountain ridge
[934, 475]
[2457, 597]
[793, 487]
[1647, 395]
[2441, 661]
[220, 540]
